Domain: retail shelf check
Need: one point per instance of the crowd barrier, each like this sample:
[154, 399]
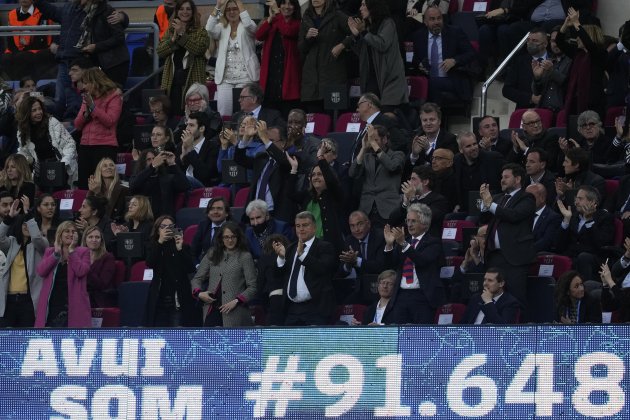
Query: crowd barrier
[489, 372]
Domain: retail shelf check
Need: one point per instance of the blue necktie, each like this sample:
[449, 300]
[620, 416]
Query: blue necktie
[264, 180]
[435, 58]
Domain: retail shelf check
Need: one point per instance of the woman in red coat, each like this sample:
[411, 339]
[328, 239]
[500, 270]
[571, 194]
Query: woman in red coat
[280, 70]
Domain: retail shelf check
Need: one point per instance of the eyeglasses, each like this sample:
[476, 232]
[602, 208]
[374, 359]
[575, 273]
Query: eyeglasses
[229, 237]
[167, 226]
[434, 157]
[361, 102]
[240, 98]
[589, 125]
[532, 123]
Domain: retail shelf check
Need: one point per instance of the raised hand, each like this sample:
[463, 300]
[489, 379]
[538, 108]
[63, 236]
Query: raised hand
[279, 249]
[565, 211]
[389, 235]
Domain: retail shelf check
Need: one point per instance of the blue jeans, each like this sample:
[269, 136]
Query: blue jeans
[67, 100]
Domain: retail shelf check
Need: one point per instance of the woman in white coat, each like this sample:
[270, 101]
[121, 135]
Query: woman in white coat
[42, 138]
[237, 63]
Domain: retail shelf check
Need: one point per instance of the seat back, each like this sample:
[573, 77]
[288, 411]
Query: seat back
[418, 87]
[450, 313]
[70, 199]
[189, 216]
[349, 122]
[550, 266]
[240, 199]
[546, 117]
[318, 124]
[140, 272]
[345, 313]
[189, 233]
[124, 164]
[201, 196]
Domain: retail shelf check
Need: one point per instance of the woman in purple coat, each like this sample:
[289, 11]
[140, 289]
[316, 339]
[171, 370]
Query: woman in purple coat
[64, 300]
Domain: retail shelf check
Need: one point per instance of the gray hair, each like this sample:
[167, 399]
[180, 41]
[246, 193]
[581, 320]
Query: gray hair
[460, 136]
[257, 205]
[423, 211]
[305, 215]
[199, 89]
[588, 116]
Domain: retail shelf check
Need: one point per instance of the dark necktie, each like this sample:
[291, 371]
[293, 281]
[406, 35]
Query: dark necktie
[363, 247]
[295, 271]
[264, 179]
[434, 70]
[495, 225]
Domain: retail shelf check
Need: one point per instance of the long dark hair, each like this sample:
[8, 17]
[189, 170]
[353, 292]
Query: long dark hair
[218, 250]
[297, 13]
[195, 21]
[23, 117]
[561, 293]
[155, 232]
[378, 13]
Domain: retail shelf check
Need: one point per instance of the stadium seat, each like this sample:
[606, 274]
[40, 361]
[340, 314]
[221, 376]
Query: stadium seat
[450, 313]
[611, 187]
[452, 263]
[125, 164]
[237, 214]
[70, 200]
[318, 124]
[240, 198]
[140, 272]
[120, 275]
[201, 196]
[550, 266]
[561, 118]
[189, 233]
[349, 122]
[611, 115]
[212, 89]
[345, 313]
[106, 317]
[189, 216]
[546, 116]
[469, 5]
[419, 88]
[453, 235]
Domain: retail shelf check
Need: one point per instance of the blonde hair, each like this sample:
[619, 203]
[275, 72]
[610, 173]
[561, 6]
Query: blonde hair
[99, 178]
[223, 19]
[102, 84]
[100, 251]
[63, 226]
[144, 213]
[23, 168]
[595, 33]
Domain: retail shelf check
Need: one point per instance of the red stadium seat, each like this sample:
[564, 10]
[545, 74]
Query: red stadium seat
[546, 117]
[452, 229]
[201, 196]
[318, 124]
[140, 272]
[212, 89]
[469, 5]
[453, 7]
[70, 199]
[125, 164]
[106, 317]
[189, 233]
[561, 118]
[345, 312]
[450, 313]
[120, 275]
[349, 122]
[550, 266]
[452, 263]
[611, 187]
[419, 87]
[240, 200]
[611, 114]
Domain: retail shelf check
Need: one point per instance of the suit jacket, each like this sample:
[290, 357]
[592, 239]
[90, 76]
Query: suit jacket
[320, 266]
[380, 183]
[397, 139]
[204, 163]
[546, 229]
[283, 208]
[518, 82]
[589, 311]
[547, 141]
[602, 233]
[503, 145]
[615, 203]
[439, 207]
[503, 311]
[489, 167]
[277, 227]
[513, 223]
[427, 258]
[272, 117]
[549, 181]
[373, 264]
[445, 140]
[455, 44]
[389, 315]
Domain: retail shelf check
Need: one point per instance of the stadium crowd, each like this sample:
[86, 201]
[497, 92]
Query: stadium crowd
[247, 207]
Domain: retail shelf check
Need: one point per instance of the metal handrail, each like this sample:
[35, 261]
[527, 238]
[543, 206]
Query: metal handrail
[493, 76]
[140, 27]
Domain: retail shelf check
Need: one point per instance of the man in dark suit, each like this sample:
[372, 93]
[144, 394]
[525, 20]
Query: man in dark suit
[270, 170]
[369, 110]
[546, 220]
[489, 139]
[383, 311]
[537, 172]
[473, 167]
[196, 154]
[418, 259]
[619, 203]
[429, 137]
[250, 100]
[510, 243]
[419, 189]
[585, 231]
[534, 135]
[441, 51]
[307, 268]
[363, 254]
[494, 305]
[518, 80]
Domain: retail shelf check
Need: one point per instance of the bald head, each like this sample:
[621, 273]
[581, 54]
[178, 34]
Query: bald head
[539, 192]
[441, 160]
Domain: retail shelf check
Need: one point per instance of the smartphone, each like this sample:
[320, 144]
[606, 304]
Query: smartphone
[178, 232]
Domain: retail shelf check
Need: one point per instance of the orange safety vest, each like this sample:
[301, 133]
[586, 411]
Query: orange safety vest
[162, 20]
[23, 41]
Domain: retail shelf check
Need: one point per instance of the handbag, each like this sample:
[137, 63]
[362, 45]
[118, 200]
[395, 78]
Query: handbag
[52, 172]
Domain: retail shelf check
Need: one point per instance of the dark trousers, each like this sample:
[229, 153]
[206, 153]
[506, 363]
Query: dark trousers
[18, 312]
[305, 313]
[412, 306]
[89, 157]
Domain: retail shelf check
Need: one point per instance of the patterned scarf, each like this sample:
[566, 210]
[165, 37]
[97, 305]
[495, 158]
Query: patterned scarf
[86, 26]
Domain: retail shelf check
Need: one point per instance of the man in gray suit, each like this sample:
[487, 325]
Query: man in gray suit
[380, 169]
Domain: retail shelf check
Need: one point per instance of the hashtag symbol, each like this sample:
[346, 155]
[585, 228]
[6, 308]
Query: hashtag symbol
[282, 394]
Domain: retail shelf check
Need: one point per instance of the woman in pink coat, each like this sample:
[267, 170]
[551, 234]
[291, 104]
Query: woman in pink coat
[97, 119]
[64, 300]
